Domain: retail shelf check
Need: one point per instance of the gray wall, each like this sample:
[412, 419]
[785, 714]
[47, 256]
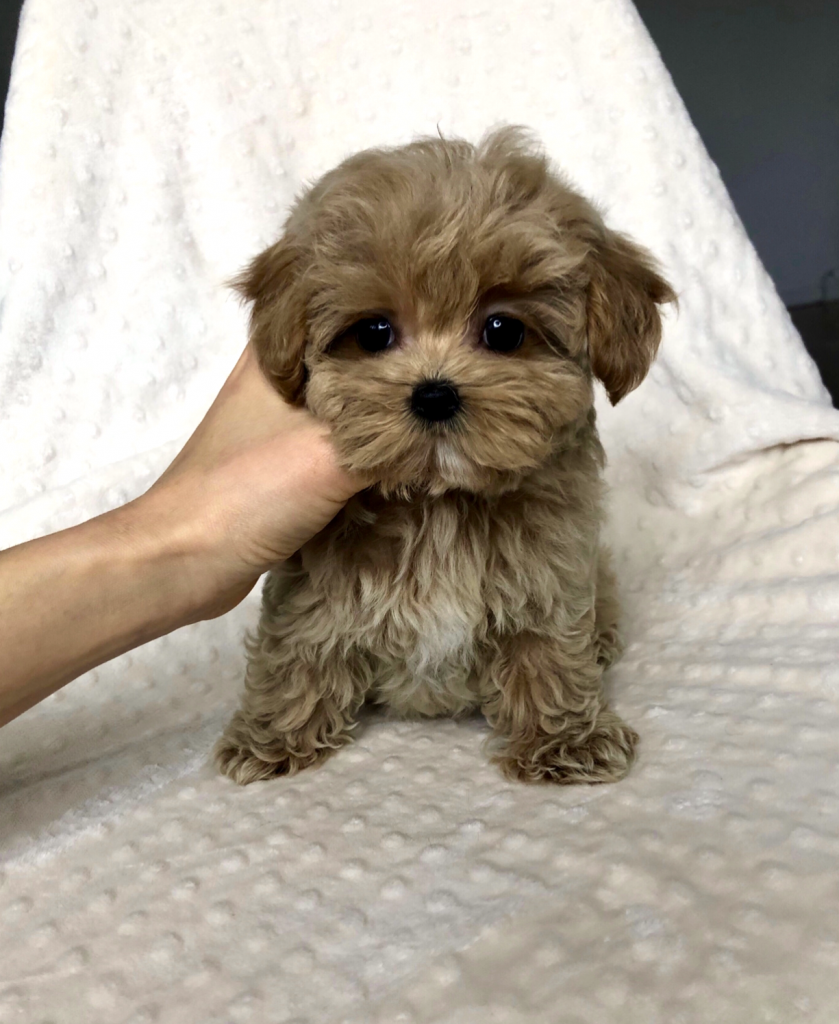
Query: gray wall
[761, 81]
[9, 13]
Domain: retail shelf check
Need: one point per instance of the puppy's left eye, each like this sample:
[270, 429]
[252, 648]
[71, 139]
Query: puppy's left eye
[373, 334]
[503, 333]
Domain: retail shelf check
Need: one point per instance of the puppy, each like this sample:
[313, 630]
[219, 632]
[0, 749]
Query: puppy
[444, 308]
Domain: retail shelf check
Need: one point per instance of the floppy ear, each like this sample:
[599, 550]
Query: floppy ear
[271, 282]
[623, 319]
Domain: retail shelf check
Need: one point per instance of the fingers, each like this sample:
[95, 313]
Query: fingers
[259, 400]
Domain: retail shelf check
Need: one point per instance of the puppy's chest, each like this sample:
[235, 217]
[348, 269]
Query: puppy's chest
[420, 587]
[441, 634]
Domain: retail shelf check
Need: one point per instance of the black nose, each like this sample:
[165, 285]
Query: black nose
[435, 400]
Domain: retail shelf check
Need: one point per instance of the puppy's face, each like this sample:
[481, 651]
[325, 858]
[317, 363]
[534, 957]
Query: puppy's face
[444, 309]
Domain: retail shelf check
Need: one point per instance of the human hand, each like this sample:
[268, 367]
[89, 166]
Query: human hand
[256, 480]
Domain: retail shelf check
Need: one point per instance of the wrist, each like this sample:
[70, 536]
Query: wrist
[148, 548]
[178, 550]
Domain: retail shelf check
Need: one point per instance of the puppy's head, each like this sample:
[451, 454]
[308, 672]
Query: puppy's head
[444, 308]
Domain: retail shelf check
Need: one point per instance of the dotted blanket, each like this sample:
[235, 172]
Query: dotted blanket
[151, 148]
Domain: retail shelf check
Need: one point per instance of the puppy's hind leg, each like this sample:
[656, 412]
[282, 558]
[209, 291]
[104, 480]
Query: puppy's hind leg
[608, 641]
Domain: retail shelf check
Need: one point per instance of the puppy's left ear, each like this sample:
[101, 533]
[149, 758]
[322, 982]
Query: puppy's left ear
[623, 319]
[272, 284]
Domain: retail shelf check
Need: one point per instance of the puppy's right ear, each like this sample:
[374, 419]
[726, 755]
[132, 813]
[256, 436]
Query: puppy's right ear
[271, 282]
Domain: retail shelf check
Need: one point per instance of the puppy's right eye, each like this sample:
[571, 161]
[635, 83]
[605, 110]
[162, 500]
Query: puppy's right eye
[374, 334]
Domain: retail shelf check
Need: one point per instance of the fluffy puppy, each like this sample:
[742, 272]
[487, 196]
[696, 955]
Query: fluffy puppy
[444, 308]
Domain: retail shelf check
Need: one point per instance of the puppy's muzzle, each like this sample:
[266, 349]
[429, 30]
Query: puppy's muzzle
[435, 401]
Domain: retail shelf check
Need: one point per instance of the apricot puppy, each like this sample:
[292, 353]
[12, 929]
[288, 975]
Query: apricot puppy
[445, 308]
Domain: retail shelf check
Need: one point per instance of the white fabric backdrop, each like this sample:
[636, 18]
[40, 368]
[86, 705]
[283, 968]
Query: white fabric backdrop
[150, 149]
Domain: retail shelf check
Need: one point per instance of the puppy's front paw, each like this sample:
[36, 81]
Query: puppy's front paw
[603, 755]
[244, 764]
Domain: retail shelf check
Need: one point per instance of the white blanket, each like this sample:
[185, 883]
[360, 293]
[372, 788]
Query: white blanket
[152, 147]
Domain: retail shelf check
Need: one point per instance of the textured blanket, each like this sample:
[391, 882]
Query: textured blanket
[151, 148]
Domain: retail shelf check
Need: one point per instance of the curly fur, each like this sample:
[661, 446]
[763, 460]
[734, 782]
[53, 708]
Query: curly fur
[471, 575]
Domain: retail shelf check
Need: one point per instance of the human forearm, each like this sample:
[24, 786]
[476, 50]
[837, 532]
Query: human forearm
[75, 599]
